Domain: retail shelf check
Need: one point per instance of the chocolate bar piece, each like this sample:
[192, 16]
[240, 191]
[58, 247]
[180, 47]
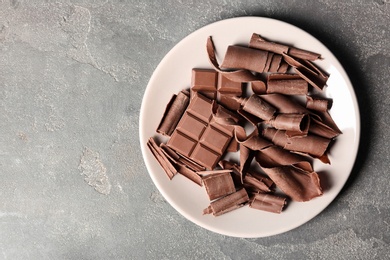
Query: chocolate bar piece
[216, 86]
[198, 137]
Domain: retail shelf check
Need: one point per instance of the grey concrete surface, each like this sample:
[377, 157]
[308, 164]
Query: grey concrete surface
[72, 77]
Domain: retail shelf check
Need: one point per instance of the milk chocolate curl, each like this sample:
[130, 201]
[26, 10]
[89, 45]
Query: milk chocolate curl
[287, 84]
[238, 57]
[228, 203]
[315, 146]
[326, 127]
[284, 104]
[173, 112]
[164, 162]
[294, 124]
[296, 183]
[268, 202]
[308, 71]
[257, 107]
[219, 185]
[260, 43]
[273, 156]
[235, 75]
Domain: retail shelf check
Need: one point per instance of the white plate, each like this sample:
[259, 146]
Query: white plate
[174, 74]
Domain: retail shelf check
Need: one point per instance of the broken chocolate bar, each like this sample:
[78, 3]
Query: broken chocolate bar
[198, 137]
[216, 86]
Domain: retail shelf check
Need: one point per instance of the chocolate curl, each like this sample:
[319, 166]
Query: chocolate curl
[228, 203]
[219, 184]
[268, 202]
[308, 71]
[294, 124]
[315, 146]
[327, 126]
[258, 42]
[287, 84]
[296, 183]
[167, 166]
[257, 107]
[284, 104]
[235, 75]
[173, 112]
[238, 57]
[273, 156]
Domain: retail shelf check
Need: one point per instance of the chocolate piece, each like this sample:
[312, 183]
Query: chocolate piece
[216, 86]
[167, 166]
[321, 106]
[227, 203]
[238, 57]
[276, 63]
[298, 184]
[268, 202]
[294, 124]
[273, 156]
[315, 146]
[308, 71]
[287, 84]
[258, 42]
[257, 107]
[219, 185]
[173, 112]
[284, 104]
[235, 75]
[197, 137]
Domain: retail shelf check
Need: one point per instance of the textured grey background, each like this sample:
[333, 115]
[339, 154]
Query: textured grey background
[72, 77]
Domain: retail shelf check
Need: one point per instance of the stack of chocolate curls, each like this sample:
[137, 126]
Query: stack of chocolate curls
[208, 121]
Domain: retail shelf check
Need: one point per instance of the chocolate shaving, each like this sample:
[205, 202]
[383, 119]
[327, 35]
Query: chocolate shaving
[294, 124]
[296, 183]
[258, 42]
[315, 146]
[256, 106]
[173, 112]
[235, 75]
[273, 156]
[287, 84]
[219, 184]
[228, 203]
[238, 57]
[167, 166]
[321, 106]
[283, 104]
[268, 202]
[308, 71]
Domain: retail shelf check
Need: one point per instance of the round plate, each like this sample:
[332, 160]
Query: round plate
[174, 74]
